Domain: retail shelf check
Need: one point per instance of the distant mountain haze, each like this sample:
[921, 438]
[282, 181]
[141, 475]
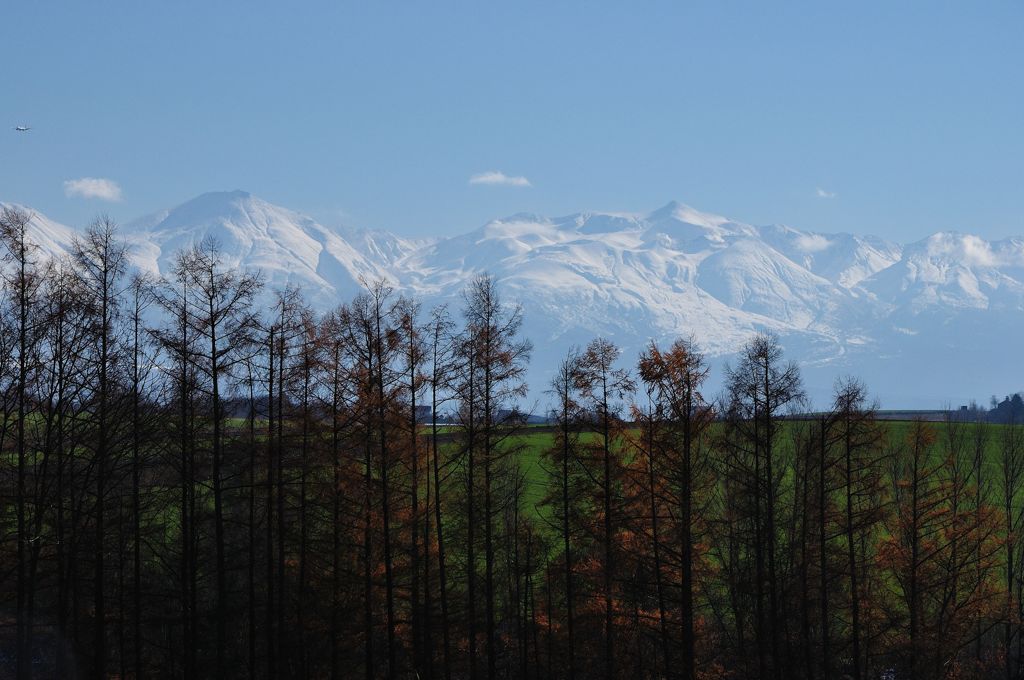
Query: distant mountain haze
[925, 324]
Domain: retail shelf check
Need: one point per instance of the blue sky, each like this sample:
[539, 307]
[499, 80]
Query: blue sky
[897, 119]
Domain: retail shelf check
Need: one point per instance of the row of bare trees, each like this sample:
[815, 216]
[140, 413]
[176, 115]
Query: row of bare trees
[201, 478]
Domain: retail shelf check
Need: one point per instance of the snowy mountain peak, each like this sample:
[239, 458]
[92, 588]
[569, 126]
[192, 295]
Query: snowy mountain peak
[289, 248]
[228, 213]
[680, 212]
[693, 230]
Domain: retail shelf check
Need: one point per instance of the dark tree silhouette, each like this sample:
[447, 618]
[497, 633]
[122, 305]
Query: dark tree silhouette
[199, 478]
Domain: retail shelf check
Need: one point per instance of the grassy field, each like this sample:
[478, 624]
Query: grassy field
[531, 445]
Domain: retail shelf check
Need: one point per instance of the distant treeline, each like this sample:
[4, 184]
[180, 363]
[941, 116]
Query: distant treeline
[198, 484]
[1009, 410]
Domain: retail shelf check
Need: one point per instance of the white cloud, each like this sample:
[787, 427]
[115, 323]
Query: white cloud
[498, 178]
[812, 243]
[93, 187]
[978, 252]
[821, 193]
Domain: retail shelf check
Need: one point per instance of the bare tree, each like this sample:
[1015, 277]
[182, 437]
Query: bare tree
[178, 343]
[23, 281]
[602, 386]
[564, 456]
[223, 324]
[496, 363]
[442, 357]
[760, 389]
[140, 301]
[676, 377]
[101, 261]
[861, 442]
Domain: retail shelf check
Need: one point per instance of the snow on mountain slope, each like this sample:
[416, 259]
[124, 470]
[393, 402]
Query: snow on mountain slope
[953, 271]
[51, 237]
[638, 277]
[754, 277]
[287, 247]
[692, 230]
[842, 303]
[843, 259]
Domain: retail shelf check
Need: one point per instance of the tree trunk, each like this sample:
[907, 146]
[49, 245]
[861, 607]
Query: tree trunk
[271, 637]
[441, 573]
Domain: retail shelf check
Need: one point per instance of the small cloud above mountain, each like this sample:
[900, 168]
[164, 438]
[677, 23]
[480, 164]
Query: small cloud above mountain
[811, 243]
[93, 187]
[822, 193]
[498, 178]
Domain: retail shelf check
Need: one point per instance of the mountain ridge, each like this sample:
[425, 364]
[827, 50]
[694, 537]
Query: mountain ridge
[842, 303]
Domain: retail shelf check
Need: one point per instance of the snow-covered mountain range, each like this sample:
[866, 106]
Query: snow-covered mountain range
[925, 324]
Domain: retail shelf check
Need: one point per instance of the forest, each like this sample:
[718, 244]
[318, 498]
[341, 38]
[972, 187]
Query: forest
[204, 479]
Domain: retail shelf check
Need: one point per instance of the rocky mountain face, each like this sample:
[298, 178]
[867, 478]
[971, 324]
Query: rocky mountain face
[924, 324]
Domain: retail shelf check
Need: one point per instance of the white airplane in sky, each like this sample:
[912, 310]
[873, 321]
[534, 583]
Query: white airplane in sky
[22, 128]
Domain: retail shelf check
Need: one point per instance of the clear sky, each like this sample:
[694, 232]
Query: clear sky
[893, 118]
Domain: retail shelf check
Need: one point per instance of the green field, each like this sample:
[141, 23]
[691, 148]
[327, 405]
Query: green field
[530, 447]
